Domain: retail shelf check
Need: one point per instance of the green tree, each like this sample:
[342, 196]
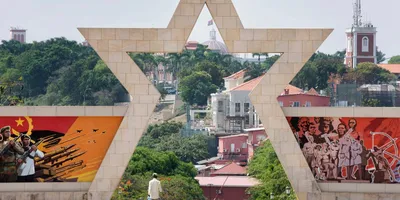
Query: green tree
[369, 73]
[58, 72]
[254, 70]
[177, 177]
[265, 167]
[188, 149]
[370, 102]
[380, 56]
[167, 137]
[394, 60]
[216, 71]
[196, 88]
[180, 187]
[317, 71]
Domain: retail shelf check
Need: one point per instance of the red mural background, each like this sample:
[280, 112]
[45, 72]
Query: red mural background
[368, 152]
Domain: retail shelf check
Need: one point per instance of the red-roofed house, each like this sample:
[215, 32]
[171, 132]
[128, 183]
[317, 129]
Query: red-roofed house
[234, 79]
[393, 68]
[227, 187]
[296, 97]
[231, 169]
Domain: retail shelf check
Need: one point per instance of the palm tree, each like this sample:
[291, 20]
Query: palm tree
[176, 62]
[259, 56]
[162, 60]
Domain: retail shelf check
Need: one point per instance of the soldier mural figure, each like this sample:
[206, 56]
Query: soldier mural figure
[308, 150]
[26, 170]
[9, 150]
[328, 167]
[356, 160]
[317, 163]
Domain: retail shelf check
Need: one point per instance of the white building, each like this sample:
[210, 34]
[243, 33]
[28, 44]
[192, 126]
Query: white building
[232, 110]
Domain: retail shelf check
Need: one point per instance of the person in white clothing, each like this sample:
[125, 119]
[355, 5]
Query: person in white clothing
[26, 170]
[154, 188]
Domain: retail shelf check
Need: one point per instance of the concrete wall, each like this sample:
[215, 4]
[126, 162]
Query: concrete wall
[316, 101]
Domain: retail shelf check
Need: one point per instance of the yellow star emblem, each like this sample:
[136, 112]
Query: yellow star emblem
[20, 121]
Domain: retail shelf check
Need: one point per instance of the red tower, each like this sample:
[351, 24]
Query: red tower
[361, 40]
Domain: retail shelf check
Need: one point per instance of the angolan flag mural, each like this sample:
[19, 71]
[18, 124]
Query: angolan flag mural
[54, 149]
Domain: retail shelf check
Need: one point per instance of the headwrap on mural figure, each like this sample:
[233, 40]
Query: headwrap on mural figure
[349, 149]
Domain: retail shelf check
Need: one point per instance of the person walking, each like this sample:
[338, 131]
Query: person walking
[154, 188]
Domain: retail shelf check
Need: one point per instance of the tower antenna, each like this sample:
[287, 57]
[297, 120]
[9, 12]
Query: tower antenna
[357, 14]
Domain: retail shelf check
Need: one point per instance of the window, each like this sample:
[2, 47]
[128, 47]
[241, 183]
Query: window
[220, 106]
[281, 103]
[244, 145]
[247, 120]
[237, 107]
[365, 44]
[308, 104]
[246, 107]
[296, 104]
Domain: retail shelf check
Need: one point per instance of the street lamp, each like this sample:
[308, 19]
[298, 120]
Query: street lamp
[271, 196]
[287, 190]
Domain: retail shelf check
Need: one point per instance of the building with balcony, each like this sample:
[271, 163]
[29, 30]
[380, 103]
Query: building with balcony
[233, 112]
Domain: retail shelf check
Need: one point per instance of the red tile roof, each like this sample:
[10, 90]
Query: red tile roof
[248, 86]
[312, 91]
[230, 181]
[393, 68]
[237, 75]
[292, 90]
[239, 135]
[231, 169]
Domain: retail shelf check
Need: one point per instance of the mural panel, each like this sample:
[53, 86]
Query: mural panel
[350, 149]
[54, 149]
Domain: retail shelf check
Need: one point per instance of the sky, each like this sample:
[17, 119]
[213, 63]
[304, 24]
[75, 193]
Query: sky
[47, 19]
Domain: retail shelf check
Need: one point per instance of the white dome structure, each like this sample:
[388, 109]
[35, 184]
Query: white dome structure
[215, 45]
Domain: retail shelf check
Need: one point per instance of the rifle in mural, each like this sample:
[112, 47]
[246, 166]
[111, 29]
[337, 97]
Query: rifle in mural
[56, 157]
[27, 153]
[7, 147]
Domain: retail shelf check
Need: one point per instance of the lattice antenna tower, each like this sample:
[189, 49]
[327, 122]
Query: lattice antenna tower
[357, 16]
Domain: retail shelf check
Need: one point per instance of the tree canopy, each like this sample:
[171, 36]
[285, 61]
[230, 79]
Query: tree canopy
[167, 137]
[265, 166]
[197, 87]
[317, 71]
[394, 60]
[56, 72]
[369, 73]
[177, 177]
